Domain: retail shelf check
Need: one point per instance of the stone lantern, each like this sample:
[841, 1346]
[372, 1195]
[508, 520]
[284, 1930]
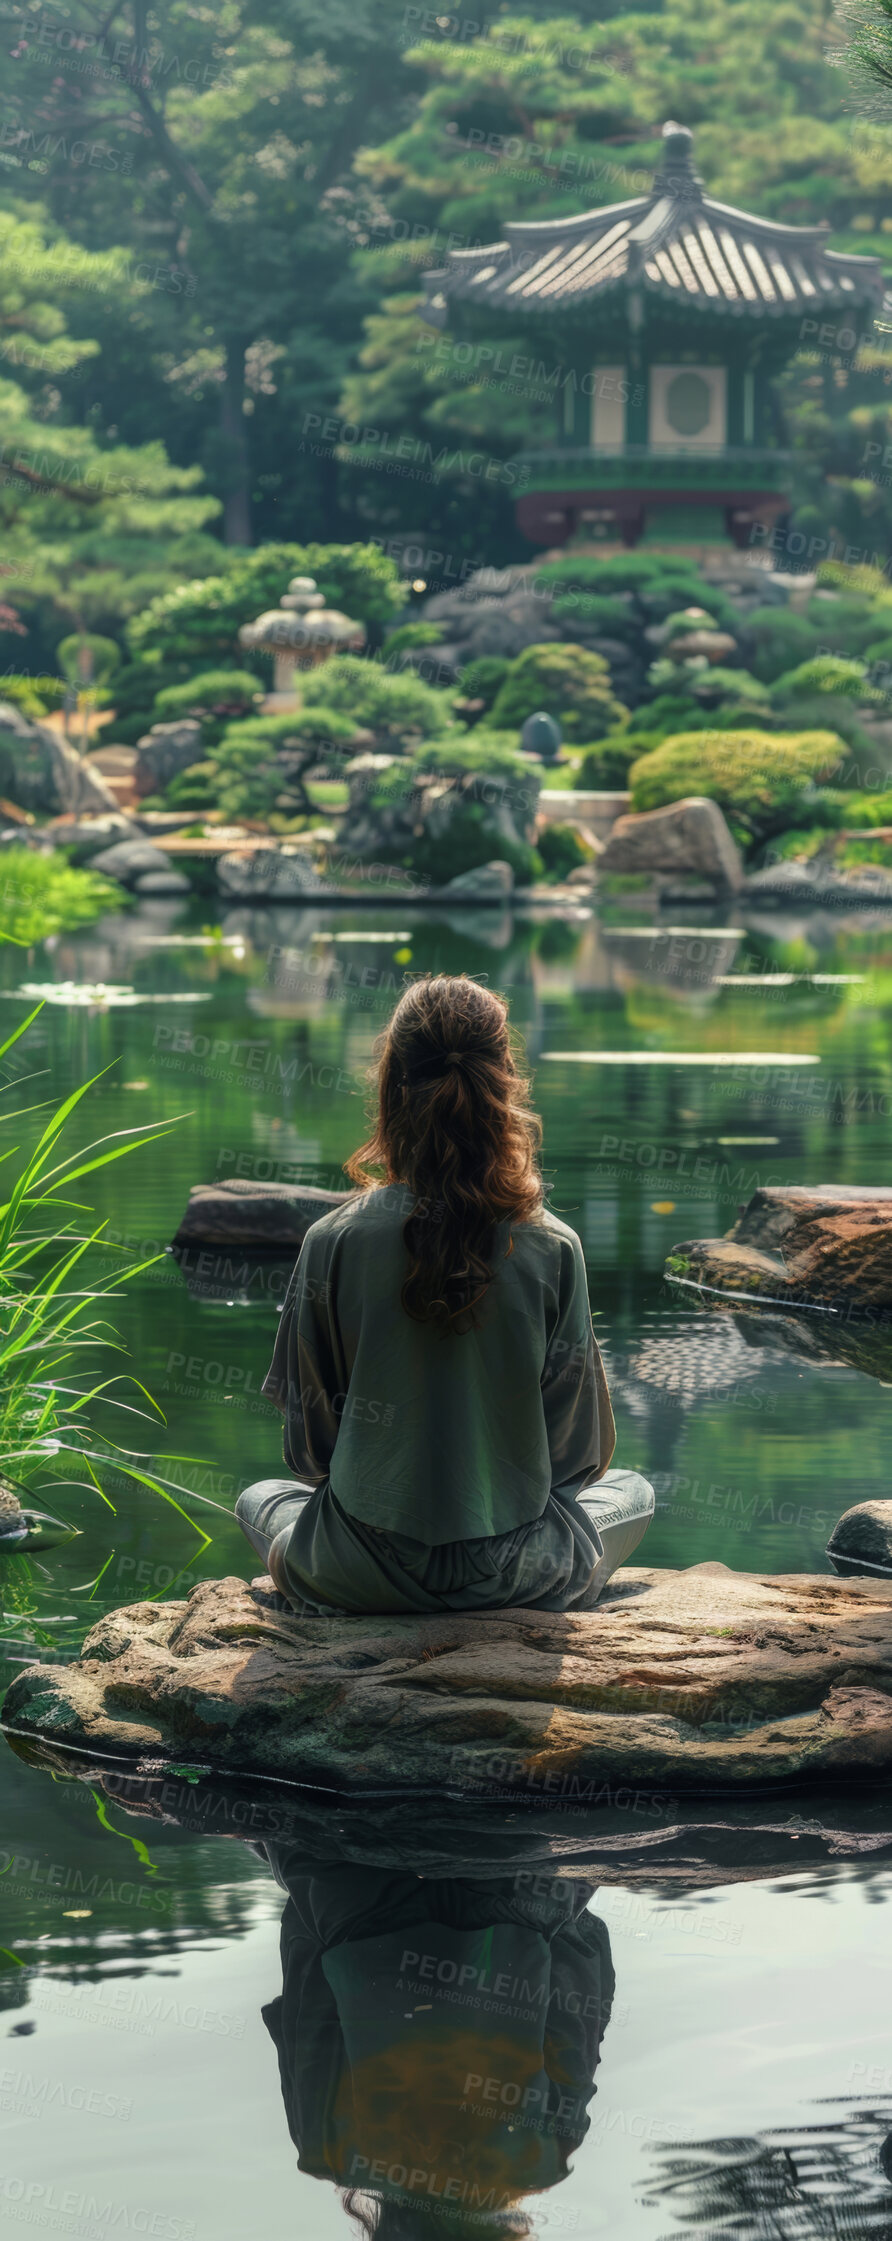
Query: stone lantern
[300, 634]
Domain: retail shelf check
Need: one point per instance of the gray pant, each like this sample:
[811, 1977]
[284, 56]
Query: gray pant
[562, 1561]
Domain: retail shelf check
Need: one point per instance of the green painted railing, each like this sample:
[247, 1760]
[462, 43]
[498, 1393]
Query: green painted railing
[638, 468]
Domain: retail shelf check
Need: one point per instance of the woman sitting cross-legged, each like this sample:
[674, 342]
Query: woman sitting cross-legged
[447, 1417]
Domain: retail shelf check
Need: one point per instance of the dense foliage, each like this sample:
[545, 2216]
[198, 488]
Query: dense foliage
[212, 234]
[565, 681]
[45, 895]
[762, 780]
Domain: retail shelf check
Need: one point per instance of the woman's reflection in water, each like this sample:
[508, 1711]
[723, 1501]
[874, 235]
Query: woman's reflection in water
[437, 2040]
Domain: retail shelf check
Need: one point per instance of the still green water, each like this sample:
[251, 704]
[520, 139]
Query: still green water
[744, 2079]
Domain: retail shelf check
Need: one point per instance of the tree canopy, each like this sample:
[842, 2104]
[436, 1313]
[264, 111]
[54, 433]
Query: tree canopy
[213, 227]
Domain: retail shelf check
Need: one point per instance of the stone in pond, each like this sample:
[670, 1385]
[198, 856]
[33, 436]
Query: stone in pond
[22, 1527]
[700, 1680]
[862, 1541]
[686, 836]
[130, 860]
[162, 883]
[270, 874]
[818, 1247]
[242, 1213]
[494, 879]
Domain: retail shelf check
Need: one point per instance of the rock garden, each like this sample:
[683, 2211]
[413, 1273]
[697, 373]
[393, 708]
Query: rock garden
[279, 730]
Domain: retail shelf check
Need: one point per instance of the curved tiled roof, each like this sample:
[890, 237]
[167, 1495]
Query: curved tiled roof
[675, 243]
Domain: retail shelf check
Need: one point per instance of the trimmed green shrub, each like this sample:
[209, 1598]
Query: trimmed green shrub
[762, 780]
[863, 809]
[195, 788]
[780, 641]
[605, 769]
[597, 614]
[562, 850]
[686, 622]
[846, 625]
[260, 766]
[716, 685]
[407, 639]
[483, 679]
[216, 698]
[484, 754]
[825, 673]
[397, 707]
[199, 622]
[567, 682]
[840, 853]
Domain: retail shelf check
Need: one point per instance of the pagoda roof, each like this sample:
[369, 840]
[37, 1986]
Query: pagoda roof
[675, 244]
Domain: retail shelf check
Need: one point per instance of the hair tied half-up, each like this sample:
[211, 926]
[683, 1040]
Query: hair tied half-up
[466, 1153]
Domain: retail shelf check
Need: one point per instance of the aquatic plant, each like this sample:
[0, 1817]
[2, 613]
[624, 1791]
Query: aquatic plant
[44, 894]
[50, 1331]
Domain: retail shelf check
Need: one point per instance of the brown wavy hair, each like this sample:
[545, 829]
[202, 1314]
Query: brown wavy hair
[454, 1125]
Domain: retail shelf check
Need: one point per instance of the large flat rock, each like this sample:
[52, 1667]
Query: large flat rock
[821, 1247]
[701, 1681]
[238, 1212]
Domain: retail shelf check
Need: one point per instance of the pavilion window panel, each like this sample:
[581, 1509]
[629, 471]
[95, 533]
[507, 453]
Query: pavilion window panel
[610, 391]
[688, 407]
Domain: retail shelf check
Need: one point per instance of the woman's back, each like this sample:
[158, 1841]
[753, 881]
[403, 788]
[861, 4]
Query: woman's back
[440, 1436]
[446, 1411]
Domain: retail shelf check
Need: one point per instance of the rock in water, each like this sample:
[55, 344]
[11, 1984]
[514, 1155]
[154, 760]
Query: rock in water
[242, 1213]
[162, 883]
[701, 1680]
[277, 874]
[23, 1528]
[495, 879]
[862, 1541]
[686, 836]
[130, 860]
[814, 1248]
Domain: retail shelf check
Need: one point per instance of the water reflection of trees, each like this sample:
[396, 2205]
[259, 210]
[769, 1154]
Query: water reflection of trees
[832, 2178]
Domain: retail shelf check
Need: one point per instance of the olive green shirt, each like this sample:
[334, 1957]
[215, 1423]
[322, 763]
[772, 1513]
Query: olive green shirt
[443, 1438]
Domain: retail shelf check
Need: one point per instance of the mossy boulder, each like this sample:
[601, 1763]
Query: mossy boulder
[820, 1247]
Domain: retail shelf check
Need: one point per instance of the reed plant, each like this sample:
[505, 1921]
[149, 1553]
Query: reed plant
[55, 1334]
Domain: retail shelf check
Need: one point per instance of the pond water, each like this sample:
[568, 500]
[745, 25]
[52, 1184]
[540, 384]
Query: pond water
[738, 2037]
